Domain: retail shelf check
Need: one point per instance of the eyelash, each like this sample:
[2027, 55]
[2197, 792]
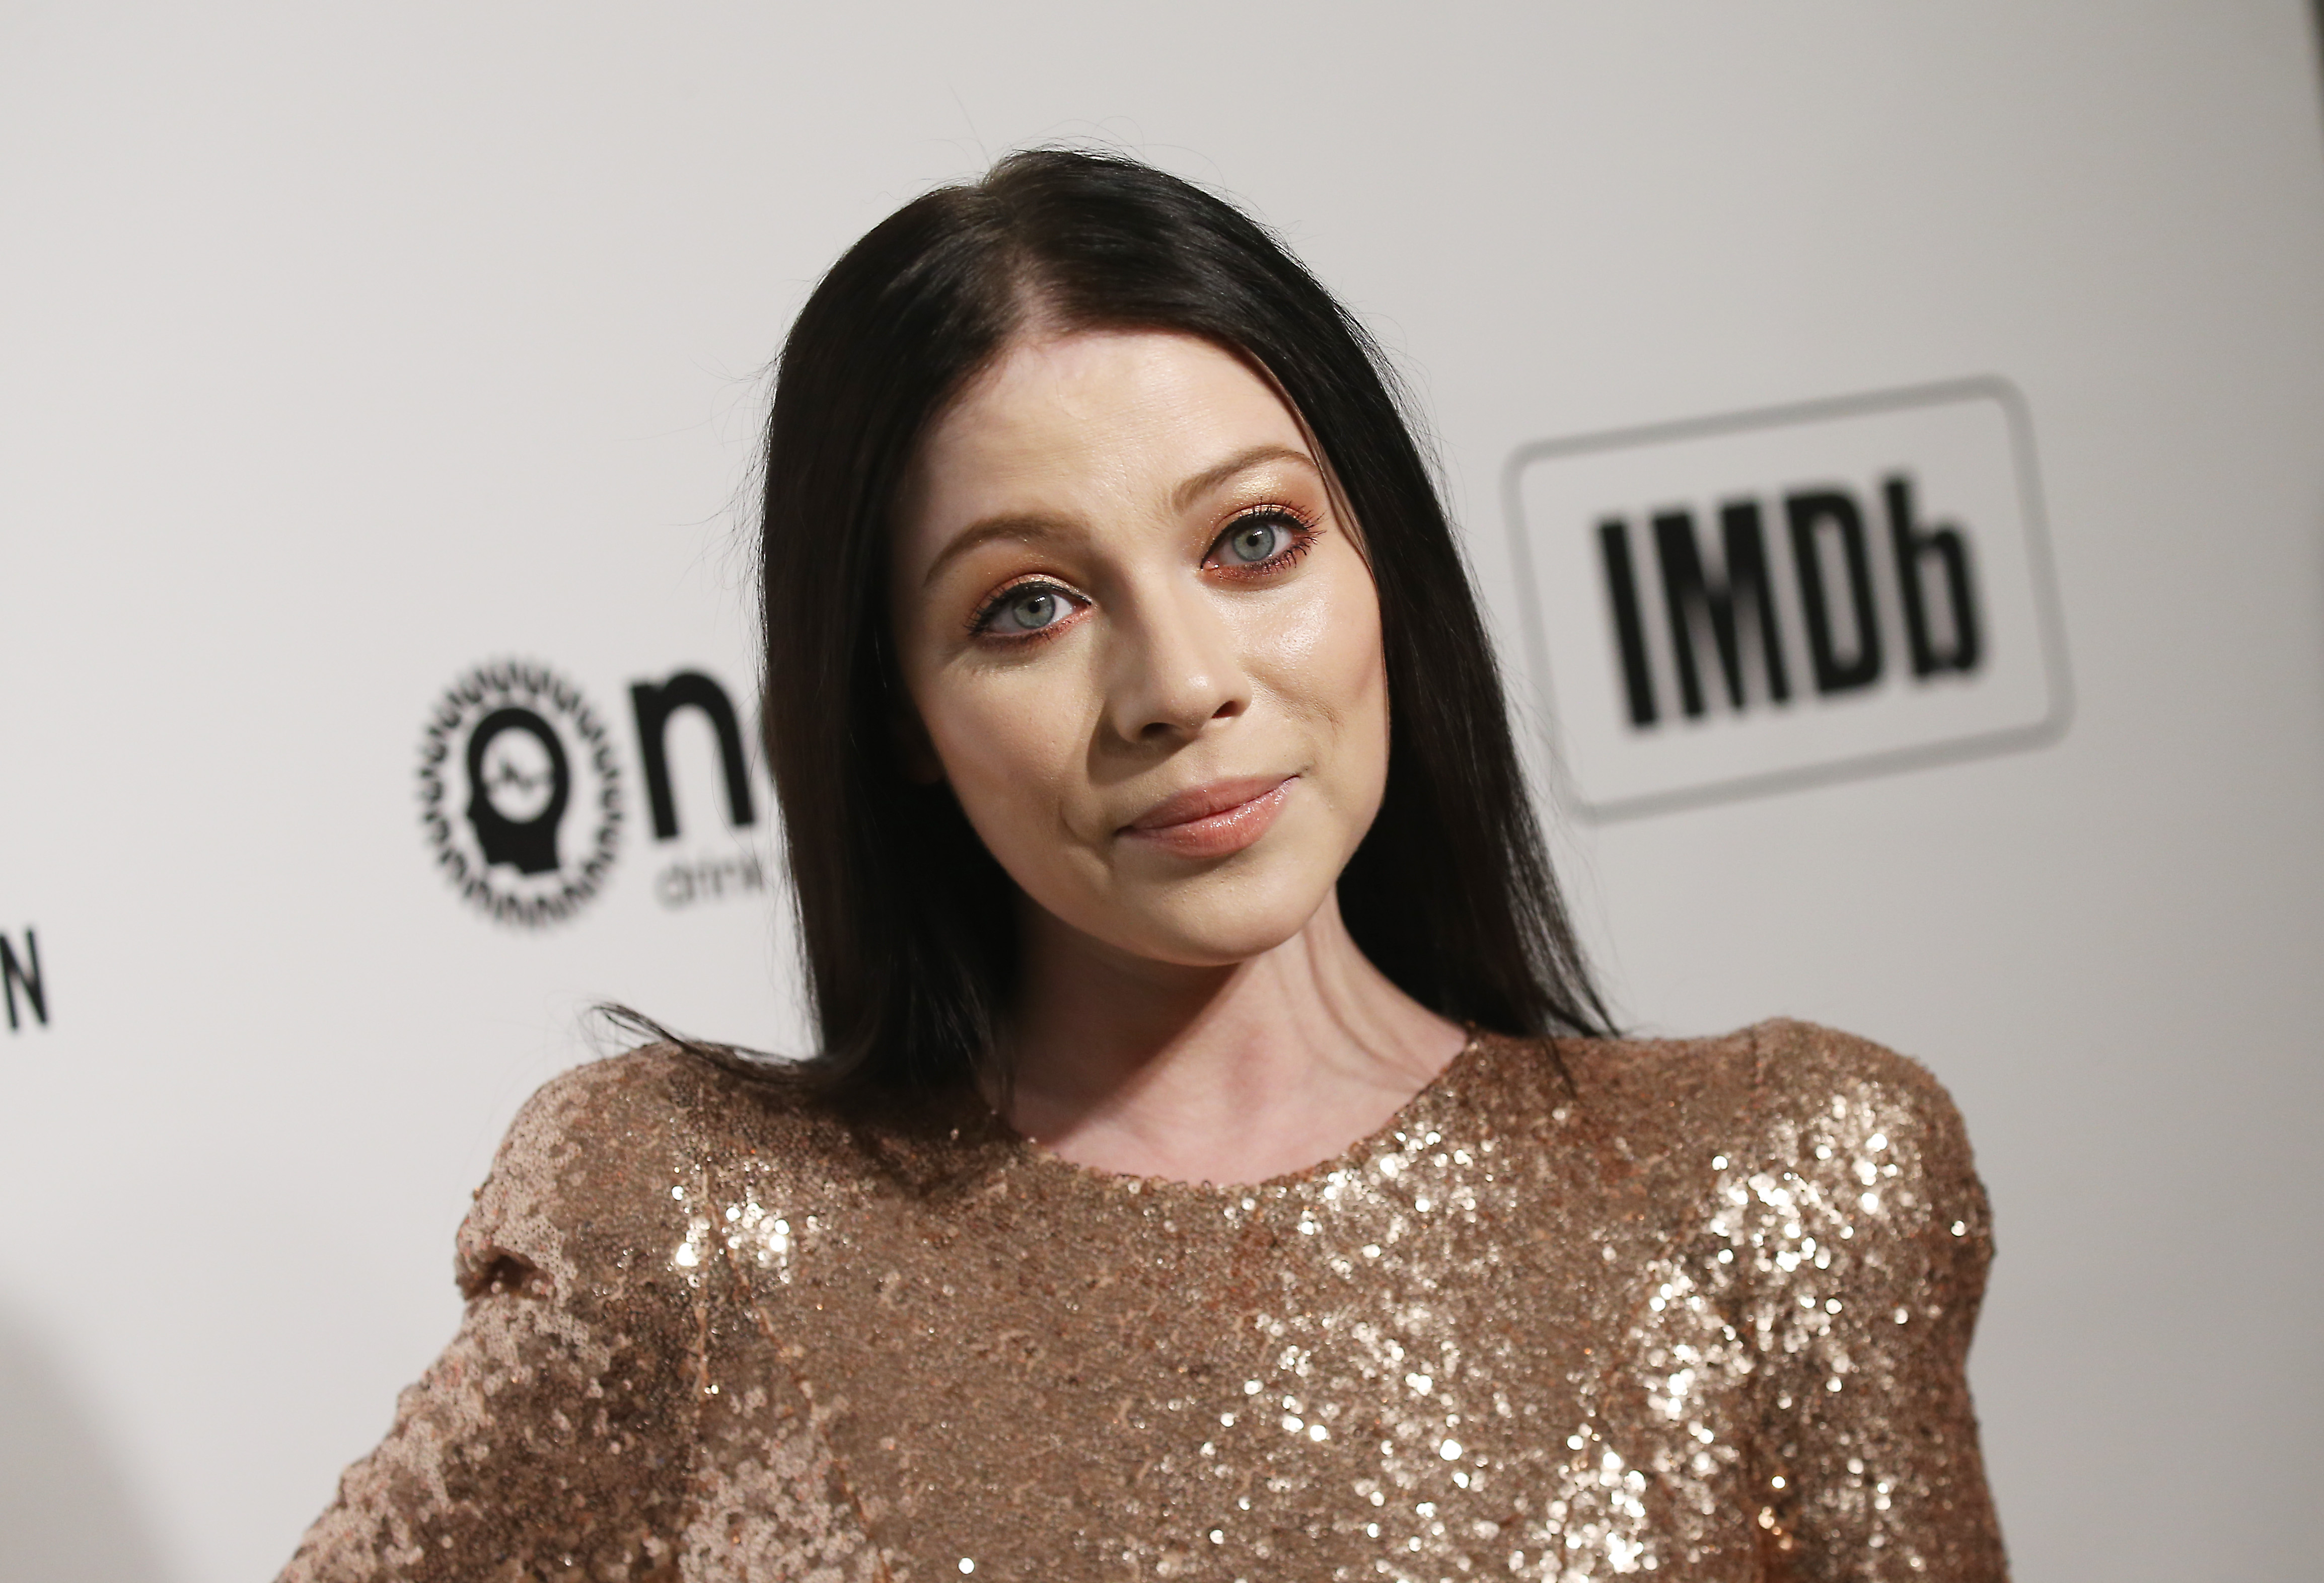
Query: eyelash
[1304, 535]
[1305, 532]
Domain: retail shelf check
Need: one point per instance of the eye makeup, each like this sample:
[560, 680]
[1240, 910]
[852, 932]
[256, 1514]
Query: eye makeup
[1257, 541]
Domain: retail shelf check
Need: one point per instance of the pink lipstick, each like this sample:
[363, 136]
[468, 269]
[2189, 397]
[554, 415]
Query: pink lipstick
[1215, 820]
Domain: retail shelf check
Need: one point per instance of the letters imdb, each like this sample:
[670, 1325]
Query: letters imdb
[1750, 604]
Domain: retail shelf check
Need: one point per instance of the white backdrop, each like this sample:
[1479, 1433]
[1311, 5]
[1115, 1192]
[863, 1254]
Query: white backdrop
[343, 350]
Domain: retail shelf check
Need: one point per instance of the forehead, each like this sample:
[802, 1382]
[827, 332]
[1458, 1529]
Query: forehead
[1090, 413]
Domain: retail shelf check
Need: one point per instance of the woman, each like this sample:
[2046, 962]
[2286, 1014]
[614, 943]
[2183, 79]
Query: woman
[1156, 831]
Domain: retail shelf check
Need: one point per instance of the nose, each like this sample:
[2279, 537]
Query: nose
[1176, 667]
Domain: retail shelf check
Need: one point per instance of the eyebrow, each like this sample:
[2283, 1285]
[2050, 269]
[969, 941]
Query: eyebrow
[1011, 525]
[1209, 478]
[1037, 526]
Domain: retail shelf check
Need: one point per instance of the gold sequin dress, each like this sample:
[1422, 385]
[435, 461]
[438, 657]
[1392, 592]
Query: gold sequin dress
[1691, 1308]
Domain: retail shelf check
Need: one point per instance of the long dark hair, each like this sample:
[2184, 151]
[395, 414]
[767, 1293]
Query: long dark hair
[910, 951]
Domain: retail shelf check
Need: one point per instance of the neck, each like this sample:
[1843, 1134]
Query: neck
[1227, 1074]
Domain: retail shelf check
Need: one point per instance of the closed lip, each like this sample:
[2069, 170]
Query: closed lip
[1206, 802]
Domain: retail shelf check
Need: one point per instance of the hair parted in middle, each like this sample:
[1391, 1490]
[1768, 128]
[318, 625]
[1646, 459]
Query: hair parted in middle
[906, 922]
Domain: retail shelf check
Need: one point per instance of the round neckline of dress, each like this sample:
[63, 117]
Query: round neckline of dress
[1033, 1154]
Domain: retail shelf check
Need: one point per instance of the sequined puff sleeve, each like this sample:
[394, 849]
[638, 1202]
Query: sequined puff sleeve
[1867, 1236]
[566, 1429]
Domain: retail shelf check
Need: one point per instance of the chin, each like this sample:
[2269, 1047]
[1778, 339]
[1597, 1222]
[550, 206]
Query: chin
[1221, 923]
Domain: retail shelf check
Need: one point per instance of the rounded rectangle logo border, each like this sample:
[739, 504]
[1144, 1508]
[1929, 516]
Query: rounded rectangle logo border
[2040, 566]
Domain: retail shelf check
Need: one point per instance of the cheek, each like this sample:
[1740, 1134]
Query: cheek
[1011, 744]
[1322, 656]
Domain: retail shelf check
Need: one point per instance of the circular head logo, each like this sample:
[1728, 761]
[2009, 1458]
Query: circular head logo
[520, 792]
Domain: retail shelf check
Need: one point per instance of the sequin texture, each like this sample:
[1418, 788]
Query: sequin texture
[1695, 1309]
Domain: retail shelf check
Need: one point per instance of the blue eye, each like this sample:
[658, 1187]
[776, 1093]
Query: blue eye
[1028, 609]
[1256, 540]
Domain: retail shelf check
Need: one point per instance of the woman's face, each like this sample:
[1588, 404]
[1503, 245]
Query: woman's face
[1144, 647]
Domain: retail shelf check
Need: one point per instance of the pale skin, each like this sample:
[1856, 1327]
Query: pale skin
[1141, 644]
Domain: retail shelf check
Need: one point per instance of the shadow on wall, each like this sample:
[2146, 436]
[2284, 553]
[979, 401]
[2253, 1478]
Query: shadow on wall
[66, 1512]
